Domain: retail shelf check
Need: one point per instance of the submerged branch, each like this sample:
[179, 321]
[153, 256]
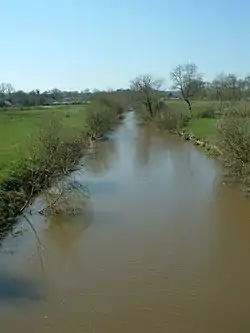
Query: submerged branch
[39, 244]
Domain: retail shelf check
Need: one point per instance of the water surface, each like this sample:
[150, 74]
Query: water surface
[162, 246]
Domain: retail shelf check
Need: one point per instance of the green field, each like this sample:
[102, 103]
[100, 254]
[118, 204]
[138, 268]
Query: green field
[197, 106]
[18, 128]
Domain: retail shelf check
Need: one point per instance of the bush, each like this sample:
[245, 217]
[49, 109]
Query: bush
[234, 143]
[101, 115]
[52, 157]
[142, 112]
[172, 120]
[209, 112]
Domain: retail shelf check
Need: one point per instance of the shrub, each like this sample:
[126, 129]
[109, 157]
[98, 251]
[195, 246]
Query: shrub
[172, 120]
[51, 158]
[234, 143]
[209, 112]
[67, 197]
[142, 112]
[101, 114]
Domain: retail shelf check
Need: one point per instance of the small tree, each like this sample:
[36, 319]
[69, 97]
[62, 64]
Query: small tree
[147, 91]
[246, 89]
[228, 89]
[219, 85]
[188, 81]
[6, 89]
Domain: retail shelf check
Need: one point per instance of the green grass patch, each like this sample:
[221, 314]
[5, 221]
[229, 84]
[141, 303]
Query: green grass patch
[18, 128]
[197, 106]
[203, 128]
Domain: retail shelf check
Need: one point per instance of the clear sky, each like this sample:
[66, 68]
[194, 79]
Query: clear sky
[78, 44]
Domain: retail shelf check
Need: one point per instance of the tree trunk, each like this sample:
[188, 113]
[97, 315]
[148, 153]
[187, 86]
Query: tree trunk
[150, 110]
[189, 106]
[186, 100]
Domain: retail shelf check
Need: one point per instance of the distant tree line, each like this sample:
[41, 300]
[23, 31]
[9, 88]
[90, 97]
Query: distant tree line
[187, 83]
[9, 97]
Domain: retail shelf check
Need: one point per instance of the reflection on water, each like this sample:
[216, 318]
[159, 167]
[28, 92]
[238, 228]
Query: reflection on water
[143, 145]
[103, 157]
[63, 231]
[161, 246]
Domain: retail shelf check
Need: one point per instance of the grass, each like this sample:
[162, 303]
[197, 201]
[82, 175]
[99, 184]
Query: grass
[203, 128]
[18, 128]
[197, 106]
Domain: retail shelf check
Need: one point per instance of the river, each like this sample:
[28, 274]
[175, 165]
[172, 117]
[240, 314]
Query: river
[163, 245]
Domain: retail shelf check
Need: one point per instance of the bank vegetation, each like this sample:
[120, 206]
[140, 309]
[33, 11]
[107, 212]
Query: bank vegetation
[214, 115]
[52, 152]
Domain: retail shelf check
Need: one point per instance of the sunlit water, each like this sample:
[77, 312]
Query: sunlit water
[162, 246]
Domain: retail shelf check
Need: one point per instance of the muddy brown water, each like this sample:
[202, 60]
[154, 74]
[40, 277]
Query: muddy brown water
[162, 246]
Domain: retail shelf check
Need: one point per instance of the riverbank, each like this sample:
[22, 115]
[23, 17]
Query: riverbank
[209, 147]
[202, 133]
[224, 135]
[49, 146]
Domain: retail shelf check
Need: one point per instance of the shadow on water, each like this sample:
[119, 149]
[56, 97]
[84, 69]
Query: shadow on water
[14, 287]
[6, 230]
[101, 188]
[10, 231]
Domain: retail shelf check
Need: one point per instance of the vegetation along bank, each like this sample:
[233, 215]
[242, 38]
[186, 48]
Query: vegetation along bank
[214, 115]
[41, 146]
[43, 134]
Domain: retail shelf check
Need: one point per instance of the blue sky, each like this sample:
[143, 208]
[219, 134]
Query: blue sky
[78, 44]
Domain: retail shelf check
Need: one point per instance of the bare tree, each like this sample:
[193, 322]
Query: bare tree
[147, 91]
[233, 87]
[187, 79]
[219, 85]
[247, 86]
[9, 88]
[229, 89]
[6, 88]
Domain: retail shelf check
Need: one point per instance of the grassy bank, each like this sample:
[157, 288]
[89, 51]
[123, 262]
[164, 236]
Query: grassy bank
[205, 116]
[19, 128]
[224, 132]
[39, 147]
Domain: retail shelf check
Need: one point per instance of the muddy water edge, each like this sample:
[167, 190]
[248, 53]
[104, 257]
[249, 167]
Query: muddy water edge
[161, 246]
